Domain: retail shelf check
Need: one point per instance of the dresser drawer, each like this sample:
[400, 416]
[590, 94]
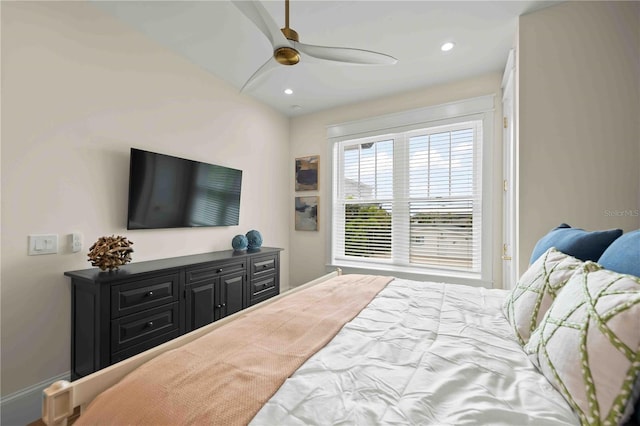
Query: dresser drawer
[137, 328]
[262, 289]
[144, 294]
[195, 275]
[263, 266]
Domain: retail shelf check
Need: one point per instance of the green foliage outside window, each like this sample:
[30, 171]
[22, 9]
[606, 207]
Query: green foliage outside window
[367, 231]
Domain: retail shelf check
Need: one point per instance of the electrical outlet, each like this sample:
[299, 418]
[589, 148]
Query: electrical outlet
[76, 242]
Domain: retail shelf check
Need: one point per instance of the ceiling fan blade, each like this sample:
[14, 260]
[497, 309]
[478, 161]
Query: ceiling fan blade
[261, 72]
[345, 54]
[257, 14]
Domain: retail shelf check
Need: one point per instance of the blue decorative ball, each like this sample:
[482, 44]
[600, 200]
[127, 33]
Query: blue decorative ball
[239, 243]
[255, 239]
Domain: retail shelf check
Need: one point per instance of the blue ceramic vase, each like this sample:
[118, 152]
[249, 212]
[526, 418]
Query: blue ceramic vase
[255, 239]
[239, 243]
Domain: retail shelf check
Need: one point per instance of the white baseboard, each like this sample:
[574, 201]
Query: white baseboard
[25, 406]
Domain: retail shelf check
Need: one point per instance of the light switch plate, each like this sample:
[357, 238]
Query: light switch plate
[43, 244]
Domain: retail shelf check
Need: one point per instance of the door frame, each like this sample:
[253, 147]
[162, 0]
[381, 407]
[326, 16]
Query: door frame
[509, 168]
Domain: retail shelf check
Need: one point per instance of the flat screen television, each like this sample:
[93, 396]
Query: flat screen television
[172, 192]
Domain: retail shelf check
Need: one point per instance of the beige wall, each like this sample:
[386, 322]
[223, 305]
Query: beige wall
[78, 90]
[579, 119]
[309, 136]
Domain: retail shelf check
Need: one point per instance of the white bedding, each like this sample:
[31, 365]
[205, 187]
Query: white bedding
[421, 353]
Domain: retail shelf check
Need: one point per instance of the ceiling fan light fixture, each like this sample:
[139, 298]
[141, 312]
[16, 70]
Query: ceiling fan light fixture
[286, 55]
[288, 92]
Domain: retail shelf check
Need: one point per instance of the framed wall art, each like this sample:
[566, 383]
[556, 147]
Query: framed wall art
[307, 173]
[306, 213]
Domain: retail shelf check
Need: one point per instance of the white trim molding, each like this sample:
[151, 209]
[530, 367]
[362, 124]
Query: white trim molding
[408, 120]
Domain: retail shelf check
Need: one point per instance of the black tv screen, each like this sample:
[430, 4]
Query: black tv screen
[172, 192]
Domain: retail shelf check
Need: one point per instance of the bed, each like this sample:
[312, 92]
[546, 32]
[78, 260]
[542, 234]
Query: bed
[365, 349]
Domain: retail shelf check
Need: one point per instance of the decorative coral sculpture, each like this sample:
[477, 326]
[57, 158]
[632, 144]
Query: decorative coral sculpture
[110, 252]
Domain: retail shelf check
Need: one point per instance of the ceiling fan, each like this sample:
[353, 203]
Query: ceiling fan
[287, 49]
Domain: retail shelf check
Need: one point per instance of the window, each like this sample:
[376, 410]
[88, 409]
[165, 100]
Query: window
[412, 200]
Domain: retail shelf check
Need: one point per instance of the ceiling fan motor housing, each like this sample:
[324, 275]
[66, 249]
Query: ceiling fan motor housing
[288, 55]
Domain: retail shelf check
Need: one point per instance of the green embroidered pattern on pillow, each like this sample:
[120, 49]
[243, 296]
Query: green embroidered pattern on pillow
[588, 343]
[530, 299]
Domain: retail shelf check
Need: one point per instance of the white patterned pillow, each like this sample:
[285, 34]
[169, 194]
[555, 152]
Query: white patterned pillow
[588, 343]
[529, 300]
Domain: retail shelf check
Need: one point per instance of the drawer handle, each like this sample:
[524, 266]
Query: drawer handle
[150, 294]
[219, 270]
[221, 306]
[150, 324]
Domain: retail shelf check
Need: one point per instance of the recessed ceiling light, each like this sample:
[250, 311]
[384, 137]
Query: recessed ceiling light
[447, 46]
[288, 91]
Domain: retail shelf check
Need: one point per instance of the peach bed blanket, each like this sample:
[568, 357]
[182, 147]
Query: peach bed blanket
[226, 376]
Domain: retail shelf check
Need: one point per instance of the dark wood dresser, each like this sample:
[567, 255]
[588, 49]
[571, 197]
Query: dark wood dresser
[118, 314]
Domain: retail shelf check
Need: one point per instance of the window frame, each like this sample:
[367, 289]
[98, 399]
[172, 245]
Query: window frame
[473, 109]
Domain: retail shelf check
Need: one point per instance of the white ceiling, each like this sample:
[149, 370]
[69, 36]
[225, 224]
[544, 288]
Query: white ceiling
[217, 37]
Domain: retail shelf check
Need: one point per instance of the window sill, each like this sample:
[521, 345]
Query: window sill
[452, 277]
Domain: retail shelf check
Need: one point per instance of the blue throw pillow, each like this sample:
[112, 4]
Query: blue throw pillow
[623, 255]
[576, 242]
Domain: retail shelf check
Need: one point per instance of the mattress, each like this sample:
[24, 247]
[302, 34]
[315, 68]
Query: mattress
[421, 353]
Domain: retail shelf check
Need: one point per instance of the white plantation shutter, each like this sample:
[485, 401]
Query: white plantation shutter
[366, 193]
[444, 194]
[410, 199]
